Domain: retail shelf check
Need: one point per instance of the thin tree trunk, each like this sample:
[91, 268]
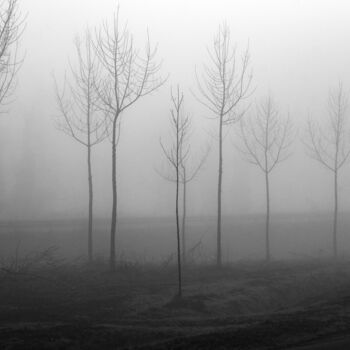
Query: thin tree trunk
[177, 220]
[89, 176]
[335, 218]
[267, 239]
[218, 256]
[184, 222]
[90, 243]
[114, 198]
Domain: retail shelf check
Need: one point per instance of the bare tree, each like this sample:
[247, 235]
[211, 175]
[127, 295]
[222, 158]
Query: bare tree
[11, 29]
[79, 114]
[330, 146]
[127, 77]
[223, 86]
[12, 24]
[266, 141]
[189, 167]
[175, 155]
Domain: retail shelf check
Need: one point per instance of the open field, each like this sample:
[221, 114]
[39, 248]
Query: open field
[154, 240]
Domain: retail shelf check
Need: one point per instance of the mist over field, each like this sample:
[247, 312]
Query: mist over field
[152, 240]
[174, 174]
[298, 52]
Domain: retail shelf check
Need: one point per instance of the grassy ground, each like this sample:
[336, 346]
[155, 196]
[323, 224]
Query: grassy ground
[46, 303]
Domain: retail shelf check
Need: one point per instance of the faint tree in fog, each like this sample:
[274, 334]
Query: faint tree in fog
[329, 144]
[266, 140]
[79, 114]
[127, 77]
[224, 84]
[11, 29]
[175, 155]
[187, 171]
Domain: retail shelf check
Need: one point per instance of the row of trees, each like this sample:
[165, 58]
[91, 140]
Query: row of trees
[111, 75]
[266, 136]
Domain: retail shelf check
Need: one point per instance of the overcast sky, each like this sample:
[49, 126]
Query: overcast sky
[299, 50]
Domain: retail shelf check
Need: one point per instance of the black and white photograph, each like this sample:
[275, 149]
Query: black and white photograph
[174, 175]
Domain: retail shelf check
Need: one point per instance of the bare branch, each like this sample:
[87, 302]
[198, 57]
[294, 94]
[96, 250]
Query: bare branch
[224, 83]
[329, 145]
[127, 76]
[12, 25]
[80, 116]
[266, 137]
[178, 153]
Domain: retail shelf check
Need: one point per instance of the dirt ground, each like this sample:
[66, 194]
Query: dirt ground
[47, 303]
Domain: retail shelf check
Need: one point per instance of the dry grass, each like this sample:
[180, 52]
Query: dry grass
[85, 306]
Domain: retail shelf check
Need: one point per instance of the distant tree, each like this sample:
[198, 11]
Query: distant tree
[189, 171]
[266, 141]
[12, 24]
[329, 145]
[79, 116]
[222, 87]
[11, 29]
[127, 77]
[189, 167]
[175, 156]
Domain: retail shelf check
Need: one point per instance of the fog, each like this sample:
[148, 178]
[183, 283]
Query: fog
[214, 213]
[298, 52]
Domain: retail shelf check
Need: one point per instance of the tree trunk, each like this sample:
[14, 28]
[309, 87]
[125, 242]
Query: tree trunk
[184, 222]
[218, 256]
[114, 198]
[267, 232]
[90, 243]
[335, 218]
[178, 226]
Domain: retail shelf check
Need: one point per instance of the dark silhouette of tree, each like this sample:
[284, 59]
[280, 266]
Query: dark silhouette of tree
[79, 116]
[266, 141]
[224, 84]
[329, 145]
[127, 77]
[189, 167]
[175, 155]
